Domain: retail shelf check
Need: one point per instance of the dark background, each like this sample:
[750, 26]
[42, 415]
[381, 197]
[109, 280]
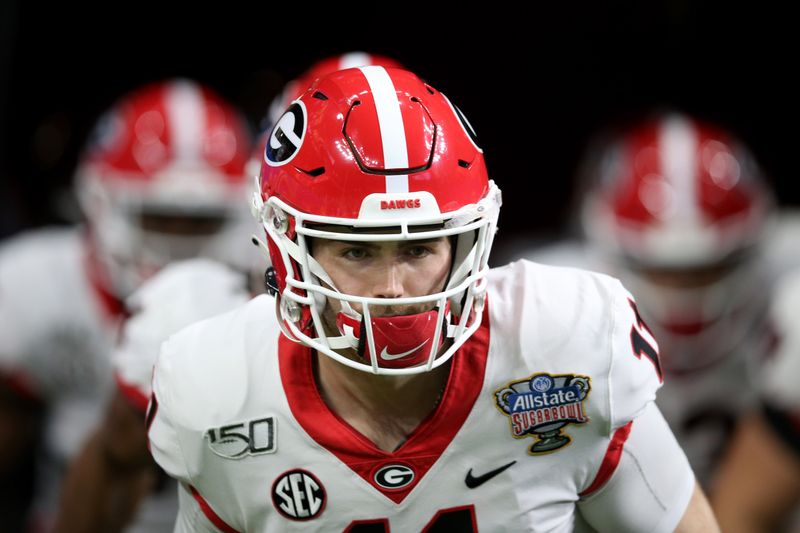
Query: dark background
[535, 86]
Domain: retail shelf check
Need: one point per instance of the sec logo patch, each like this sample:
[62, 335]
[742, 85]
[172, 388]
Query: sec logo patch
[298, 495]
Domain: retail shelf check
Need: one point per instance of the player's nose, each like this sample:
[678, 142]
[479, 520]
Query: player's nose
[389, 281]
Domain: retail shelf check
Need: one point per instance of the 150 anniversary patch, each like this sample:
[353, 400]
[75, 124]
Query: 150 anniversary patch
[542, 405]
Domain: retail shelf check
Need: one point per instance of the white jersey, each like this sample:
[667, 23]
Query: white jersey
[56, 326]
[56, 333]
[548, 410]
[180, 294]
[781, 374]
[779, 393]
[703, 404]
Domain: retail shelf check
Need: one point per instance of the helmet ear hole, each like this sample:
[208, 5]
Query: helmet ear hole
[278, 268]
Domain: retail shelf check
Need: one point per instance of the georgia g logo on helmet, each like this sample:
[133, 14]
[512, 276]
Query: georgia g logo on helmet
[287, 136]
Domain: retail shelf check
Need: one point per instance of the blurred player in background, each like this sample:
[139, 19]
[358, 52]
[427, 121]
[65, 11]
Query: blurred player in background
[114, 472]
[114, 467]
[161, 179]
[757, 489]
[679, 210]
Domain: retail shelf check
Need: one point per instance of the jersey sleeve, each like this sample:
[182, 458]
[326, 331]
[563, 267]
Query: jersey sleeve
[196, 516]
[29, 309]
[651, 486]
[644, 481]
[179, 295]
[134, 357]
[182, 410]
[163, 434]
[635, 373]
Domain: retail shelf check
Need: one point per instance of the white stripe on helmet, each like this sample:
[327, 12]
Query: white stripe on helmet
[678, 140]
[390, 121]
[187, 118]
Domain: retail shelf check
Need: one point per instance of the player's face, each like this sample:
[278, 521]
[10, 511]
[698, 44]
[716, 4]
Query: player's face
[181, 225]
[388, 269]
[695, 278]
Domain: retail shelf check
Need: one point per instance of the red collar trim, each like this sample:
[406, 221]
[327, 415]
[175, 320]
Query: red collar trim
[132, 393]
[425, 444]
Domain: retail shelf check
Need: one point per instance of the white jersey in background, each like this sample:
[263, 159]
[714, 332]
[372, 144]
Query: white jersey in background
[57, 328]
[779, 387]
[181, 294]
[57, 334]
[547, 423]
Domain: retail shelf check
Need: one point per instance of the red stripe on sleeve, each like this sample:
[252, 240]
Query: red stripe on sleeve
[611, 459]
[210, 514]
[132, 393]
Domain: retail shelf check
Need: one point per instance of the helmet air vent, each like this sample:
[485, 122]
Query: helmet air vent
[313, 172]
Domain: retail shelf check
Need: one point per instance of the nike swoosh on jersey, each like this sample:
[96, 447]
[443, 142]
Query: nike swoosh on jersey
[474, 482]
[386, 356]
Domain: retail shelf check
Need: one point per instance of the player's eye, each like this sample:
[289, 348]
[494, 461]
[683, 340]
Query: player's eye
[355, 253]
[418, 251]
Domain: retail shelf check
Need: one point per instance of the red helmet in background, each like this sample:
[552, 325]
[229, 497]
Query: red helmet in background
[376, 148]
[680, 207]
[163, 179]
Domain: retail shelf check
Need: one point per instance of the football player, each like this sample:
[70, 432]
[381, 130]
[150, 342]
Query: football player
[679, 210]
[161, 179]
[394, 382]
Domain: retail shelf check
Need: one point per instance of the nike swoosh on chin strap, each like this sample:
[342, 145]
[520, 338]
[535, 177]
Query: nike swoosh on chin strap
[474, 482]
[386, 356]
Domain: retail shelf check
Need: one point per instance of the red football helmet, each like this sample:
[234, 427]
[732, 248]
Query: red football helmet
[680, 207]
[376, 148]
[163, 179]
